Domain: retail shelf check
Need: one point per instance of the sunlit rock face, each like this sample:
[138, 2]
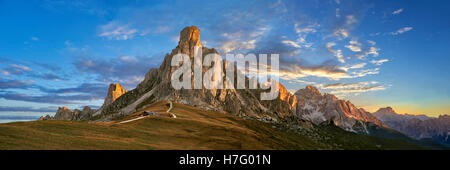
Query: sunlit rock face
[189, 37]
[114, 92]
[417, 126]
[287, 97]
[310, 104]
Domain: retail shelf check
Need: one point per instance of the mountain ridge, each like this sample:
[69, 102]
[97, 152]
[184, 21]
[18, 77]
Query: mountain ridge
[417, 126]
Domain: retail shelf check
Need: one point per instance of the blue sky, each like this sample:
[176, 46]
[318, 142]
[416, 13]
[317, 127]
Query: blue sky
[375, 53]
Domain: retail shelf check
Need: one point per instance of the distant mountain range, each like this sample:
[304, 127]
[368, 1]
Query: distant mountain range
[417, 126]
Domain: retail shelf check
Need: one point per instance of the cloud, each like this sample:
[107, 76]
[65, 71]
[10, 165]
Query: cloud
[345, 86]
[116, 31]
[4, 72]
[356, 66]
[51, 99]
[291, 43]
[50, 76]
[73, 95]
[117, 69]
[241, 40]
[26, 109]
[329, 45]
[337, 53]
[34, 38]
[342, 89]
[340, 56]
[365, 72]
[294, 71]
[354, 46]
[359, 89]
[379, 62]
[97, 90]
[375, 34]
[338, 12]
[342, 33]
[302, 33]
[350, 19]
[372, 51]
[396, 12]
[401, 30]
[14, 84]
[15, 69]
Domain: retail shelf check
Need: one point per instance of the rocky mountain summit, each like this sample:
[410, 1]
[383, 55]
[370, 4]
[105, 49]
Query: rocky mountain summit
[65, 113]
[114, 92]
[417, 126]
[310, 104]
[388, 114]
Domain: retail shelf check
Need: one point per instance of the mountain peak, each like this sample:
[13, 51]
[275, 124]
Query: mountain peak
[63, 108]
[386, 109]
[308, 91]
[114, 92]
[117, 86]
[190, 36]
[312, 89]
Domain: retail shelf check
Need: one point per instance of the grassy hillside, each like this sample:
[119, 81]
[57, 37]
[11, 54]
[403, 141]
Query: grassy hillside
[192, 129]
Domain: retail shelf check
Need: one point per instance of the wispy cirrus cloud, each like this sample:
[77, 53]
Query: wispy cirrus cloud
[354, 46]
[344, 89]
[347, 85]
[379, 62]
[337, 53]
[355, 66]
[398, 11]
[359, 89]
[302, 33]
[401, 31]
[117, 31]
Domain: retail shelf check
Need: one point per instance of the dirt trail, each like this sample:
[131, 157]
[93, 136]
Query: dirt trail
[171, 106]
[126, 121]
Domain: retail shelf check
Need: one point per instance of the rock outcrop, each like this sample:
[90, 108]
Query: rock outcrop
[417, 126]
[65, 113]
[114, 92]
[310, 104]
